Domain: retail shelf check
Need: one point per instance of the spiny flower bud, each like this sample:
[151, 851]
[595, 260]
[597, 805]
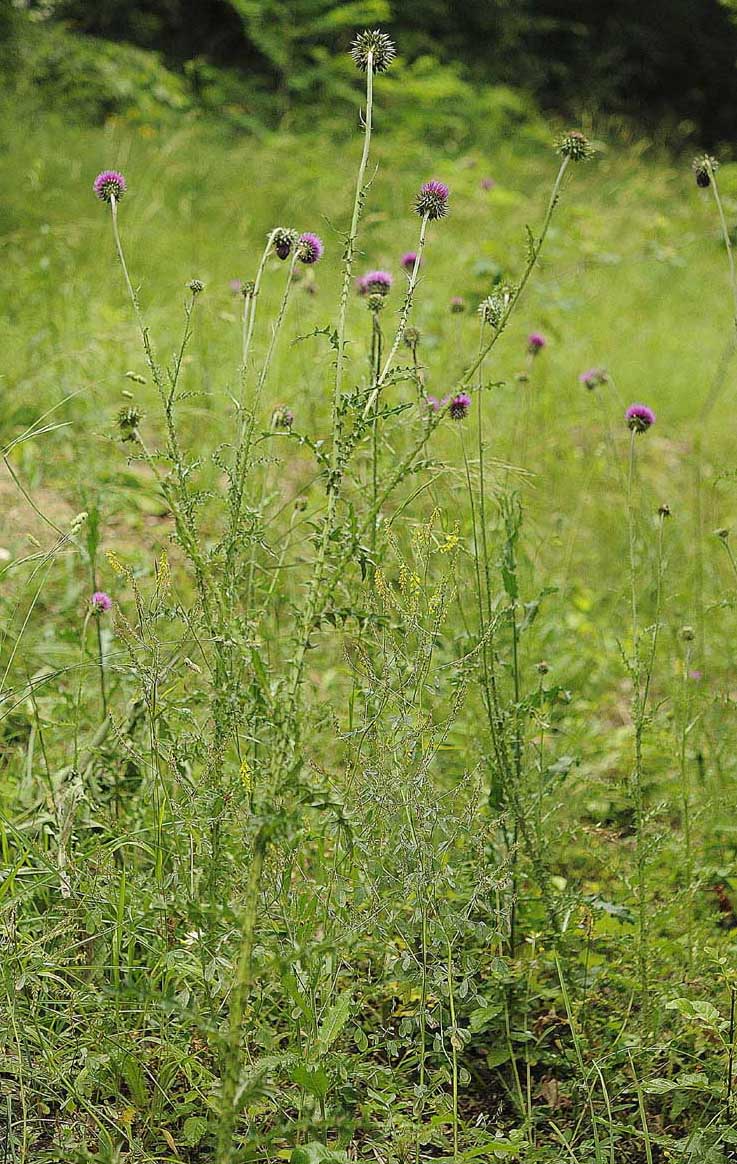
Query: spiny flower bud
[493, 309]
[248, 288]
[704, 167]
[375, 301]
[128, 421]
[196, 286]
[664, 510]
[432, 200]
[575, 145]
[108, 185]
[282, 417]
[373, 49]
[688, 634]
[284, 239]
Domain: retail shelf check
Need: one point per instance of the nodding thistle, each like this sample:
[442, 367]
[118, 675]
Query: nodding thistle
[373, 48]
[704, 168]
[432, 200]
[375, 283]
[128, 422]
[284, 239]
[108, 185]
[639, 417]
[575, 145]
[309, 248]
[196, 286]
[282, 417]
[457, 305]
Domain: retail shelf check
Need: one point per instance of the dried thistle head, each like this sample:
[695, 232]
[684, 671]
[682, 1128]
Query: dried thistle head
[373, 49]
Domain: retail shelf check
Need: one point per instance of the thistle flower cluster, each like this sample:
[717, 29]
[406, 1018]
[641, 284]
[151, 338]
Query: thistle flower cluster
[309, 248]
[704, 168]
[593, 378]
[128, 421]
[284, 240]
[575, 145]
[373, 48]
[432, 200]
[108, 185]
[493, 309]
[100, 602]
[639, 417]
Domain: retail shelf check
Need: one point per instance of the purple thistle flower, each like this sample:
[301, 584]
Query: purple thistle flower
[433, 404]
[639, 417]
[432, 200]
[459, 406]
[108, 185]
[593, 377]
[375, 283]
[236, 286]
[535, 342]
[487, 183]
[310, 248]
[100, 602]
[696, 676]
[457, 305]
[408, 260]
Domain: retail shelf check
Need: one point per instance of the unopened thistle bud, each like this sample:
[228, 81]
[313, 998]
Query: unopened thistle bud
[196, 286]
[575, 145]
[542, 667]
[248, 288]
[432, 200]
[373, 49]
[375, 302]
[284, 239]
[128, 422]
[108, 185]
[704, 168]
[493, 309]
[282, 417]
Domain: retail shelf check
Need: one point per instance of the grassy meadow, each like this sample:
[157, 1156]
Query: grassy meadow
[396, 838]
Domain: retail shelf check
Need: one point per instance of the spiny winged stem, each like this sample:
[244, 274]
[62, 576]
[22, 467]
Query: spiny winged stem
[225, 1150]
[312, 600]
[641, 682]
[536, 246]
[376, 347]
[686, 796]
[181, 507]
[249, 422]
[402, 325]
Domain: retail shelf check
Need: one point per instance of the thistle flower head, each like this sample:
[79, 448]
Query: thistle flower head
[108, 185]
[408, 260]
[248, 288]
[487, 183]
[309, 248]
[493, 309]
[457, 305]
[593, 378]
[411, 337]
[375, 283]
[236, 286]
[128, 420]
[639, 417]
[373, 49]
[433, 404]
[284, 239]
[196, 286]
[100, 602]
[704, 167]
[282, 417]
[536, 341]
[459, 405]
[575, 145]
[432, 200]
